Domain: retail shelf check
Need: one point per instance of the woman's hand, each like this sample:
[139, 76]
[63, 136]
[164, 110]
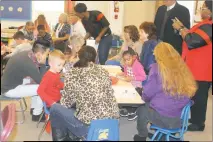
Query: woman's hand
[98, 39]
[177, 24]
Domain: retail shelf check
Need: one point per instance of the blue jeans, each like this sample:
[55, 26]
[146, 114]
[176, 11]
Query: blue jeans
[103, 49]
[113, 62]
[64, 119]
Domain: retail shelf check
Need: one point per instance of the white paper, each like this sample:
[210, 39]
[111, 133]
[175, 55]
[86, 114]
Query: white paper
[122, 92]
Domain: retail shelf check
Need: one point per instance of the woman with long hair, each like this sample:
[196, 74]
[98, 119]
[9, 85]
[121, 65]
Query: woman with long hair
[41, 20]
[197, 53]
[88, 88]
[131, 39]
[169, 87]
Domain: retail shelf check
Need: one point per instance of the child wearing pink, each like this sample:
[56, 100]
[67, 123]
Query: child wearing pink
[134, 73]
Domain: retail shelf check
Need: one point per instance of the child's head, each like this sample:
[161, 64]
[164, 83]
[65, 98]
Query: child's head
[56, 61]
[76, 42]
[131, 33]
[41, 30]
[129, 57]
[67, 53]
[147, 31]
[176, 77]
[19, 37]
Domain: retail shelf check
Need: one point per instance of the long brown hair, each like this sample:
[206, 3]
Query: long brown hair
[176, 77]
[41, 20]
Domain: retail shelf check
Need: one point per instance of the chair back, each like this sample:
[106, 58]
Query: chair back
[185, 117]
[8, 118]
[46, 109]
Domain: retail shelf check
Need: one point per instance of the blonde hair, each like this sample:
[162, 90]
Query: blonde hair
[64, 17]
[56, 54]
[176, 77]
[76, 40]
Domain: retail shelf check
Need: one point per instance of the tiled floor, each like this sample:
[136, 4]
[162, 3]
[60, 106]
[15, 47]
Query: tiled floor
[29, 132]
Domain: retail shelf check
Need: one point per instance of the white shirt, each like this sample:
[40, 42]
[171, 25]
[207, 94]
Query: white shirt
[170, 7]
[78, 29]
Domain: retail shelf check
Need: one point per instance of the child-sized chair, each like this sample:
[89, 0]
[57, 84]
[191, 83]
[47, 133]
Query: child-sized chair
[172, 133]
[47, 113]
[7, 121]
[104, 130]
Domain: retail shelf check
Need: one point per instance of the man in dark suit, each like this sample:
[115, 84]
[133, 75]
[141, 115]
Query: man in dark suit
[163, 21]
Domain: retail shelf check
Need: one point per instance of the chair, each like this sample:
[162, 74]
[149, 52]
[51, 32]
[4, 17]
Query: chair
[46, 112]
[22, 108]
[172, 132]
[104, 130]
[8, 117]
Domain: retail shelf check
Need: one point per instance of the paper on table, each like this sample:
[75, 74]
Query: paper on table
[92, 43]
[121, 92]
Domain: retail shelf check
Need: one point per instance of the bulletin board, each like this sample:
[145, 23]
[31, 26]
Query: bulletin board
[16, 10]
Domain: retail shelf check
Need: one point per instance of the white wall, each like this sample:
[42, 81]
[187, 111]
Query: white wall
[191, 6]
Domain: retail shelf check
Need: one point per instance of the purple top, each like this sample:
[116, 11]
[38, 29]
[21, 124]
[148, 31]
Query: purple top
[164, 104]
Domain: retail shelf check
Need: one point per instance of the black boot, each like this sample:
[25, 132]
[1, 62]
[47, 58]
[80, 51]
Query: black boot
[59, 135]
[72, 137]
[139, 138]
[195, 127]
[31, 111]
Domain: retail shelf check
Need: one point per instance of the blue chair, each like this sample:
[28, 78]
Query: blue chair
[22, 109]
[172, 132]
[104, 130]
[46, 112]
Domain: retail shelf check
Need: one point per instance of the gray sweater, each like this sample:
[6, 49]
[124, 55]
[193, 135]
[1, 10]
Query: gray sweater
[18, 67]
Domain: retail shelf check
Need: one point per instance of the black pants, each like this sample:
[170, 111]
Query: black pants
[198, 110]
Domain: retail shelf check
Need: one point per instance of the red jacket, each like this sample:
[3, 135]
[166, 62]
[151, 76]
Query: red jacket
[199, 60]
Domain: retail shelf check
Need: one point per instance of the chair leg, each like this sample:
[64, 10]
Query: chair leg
[22, 112]
[40, 118]
[154, 136]
[44, 127]
[23, 108]
[159, 137]
[25, 104]
[167, 137]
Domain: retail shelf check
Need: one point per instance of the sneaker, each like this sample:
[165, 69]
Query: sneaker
[35, 118]
[139, 138]
[124, 113]
[132, 117]
[194, 127]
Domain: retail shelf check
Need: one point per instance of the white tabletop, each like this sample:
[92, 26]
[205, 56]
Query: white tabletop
[125, 92]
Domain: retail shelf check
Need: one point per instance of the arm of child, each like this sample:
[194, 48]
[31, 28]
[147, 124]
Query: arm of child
[140, 74]
[42, 91]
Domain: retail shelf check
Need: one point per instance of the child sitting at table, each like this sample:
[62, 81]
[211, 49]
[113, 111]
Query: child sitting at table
[134, 73]
[71, 53]
[43, 37]
[50, 86]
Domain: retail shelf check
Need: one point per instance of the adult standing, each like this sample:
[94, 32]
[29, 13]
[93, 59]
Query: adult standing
[163, 21]
[77, 27]
[61, 33]
[197, 53]
[96, 26]
[22, 65]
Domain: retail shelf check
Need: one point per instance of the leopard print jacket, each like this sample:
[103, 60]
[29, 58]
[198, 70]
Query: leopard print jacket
[91, 90]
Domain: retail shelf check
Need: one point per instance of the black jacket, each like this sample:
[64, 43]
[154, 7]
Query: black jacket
[179, 11]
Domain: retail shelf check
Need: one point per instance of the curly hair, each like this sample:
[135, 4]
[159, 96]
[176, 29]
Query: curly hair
[133, 32]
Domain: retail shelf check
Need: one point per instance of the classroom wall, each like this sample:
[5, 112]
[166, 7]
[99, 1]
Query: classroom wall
[138, 11]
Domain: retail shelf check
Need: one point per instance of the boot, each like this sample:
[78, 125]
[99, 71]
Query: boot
[58, 135]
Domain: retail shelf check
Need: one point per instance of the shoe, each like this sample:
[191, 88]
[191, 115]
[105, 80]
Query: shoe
[139, 138]
[194, 127]
[59, 135]
[132, 117]
[35, 118]
[124, 113]
[31, 111]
